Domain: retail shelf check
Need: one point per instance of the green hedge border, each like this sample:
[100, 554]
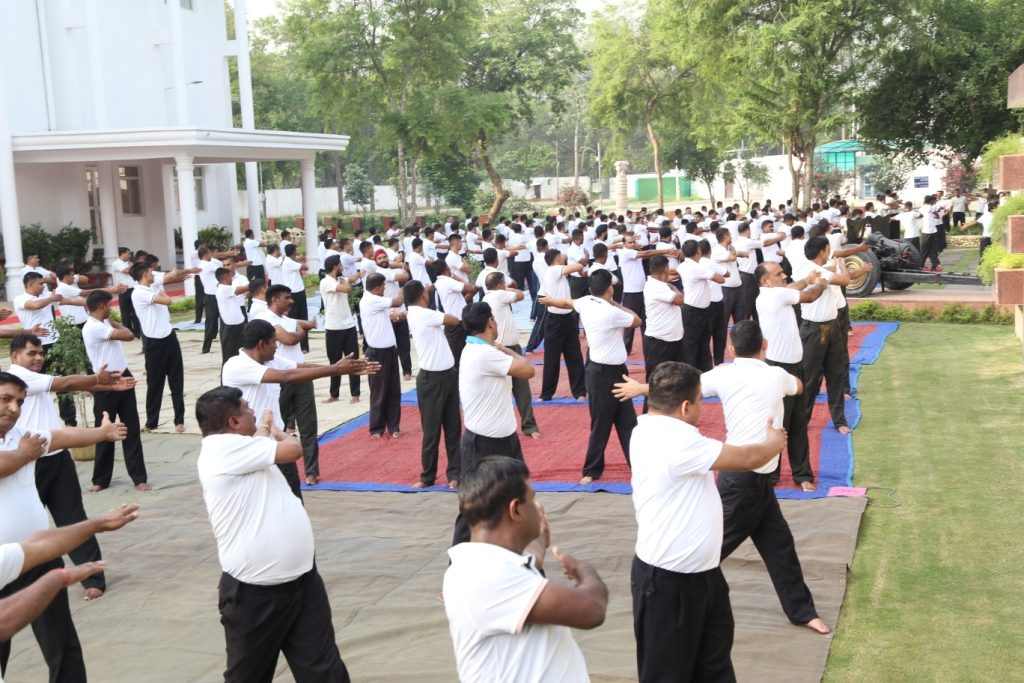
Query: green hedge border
[959, 314]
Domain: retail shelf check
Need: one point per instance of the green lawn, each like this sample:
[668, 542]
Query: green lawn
[936, 590]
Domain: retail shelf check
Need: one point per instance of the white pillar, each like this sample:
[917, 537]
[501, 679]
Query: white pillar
[170, 215]
[621, 187]
[307, 168]
[227, 186]
[108, 211]
[9, 203]
[187, 208]
[252, 197]
[252, 184]
[97, 86]
[178, 62]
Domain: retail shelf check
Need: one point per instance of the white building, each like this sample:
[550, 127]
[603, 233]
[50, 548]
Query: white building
[106, 104]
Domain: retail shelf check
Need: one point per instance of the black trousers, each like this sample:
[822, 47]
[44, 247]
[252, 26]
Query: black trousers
[200, 298]
[523, 397]
[261, 622]
[230, 341]
[300, 311]
[732, 305]
[127, 308]
[119, 405]
[341, 343]
[437, 393]
[212, 321]
[697, 337]
[253, 272]
[634, 301]
[579, 287]
[751, 510]
[984, 244]
[537, 333]
[748, 297]
[519, 270]
[658, 351]
[298, 403]
[57, 483]
[473, 447]
[823, 357]
[385, 391]
[401, 329]
[456, 337]
[54, 631]
[683, 625]
[606, 411]
[930, 248]
[719, 331]
[562, 338]
[790, 404]
[163, 363]
[958, 218]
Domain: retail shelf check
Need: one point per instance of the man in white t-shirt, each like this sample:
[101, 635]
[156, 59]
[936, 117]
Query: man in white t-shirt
[377, 314]
[507, 621]
[437, 384]
[34, 307]
[271, 597]
[752, 392]
[633, 279]
[293, 267]
[501, 299]
[663, 337]
[697, 279]
[746, 251]
[272, 263]
[22, 514]
[561, 330]
[163, 352]
[254, 255]
[395, 273]
[985, 221]
[452, 293]
[208, 266]
[485, 387]
[73, 297]
[230, 309]
[340, 337]
[679, 592]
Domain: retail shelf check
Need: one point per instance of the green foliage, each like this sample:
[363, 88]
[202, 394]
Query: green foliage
[358, 188]
[1004, 145]
[953, 313]
[961, 176]
[69, 242]
[573, 197]
[747, 175]
[67, 355]
[215, 236]
[828, 180]
[890, 174]
[1013, 206]
[526, 161]
[997, 257]
[182, 305]
[484, 200]
[453, 177]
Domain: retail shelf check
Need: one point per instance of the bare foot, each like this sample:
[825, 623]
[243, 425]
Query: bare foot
[312, 480]
[843, 429]
[534, 435]
[396, 435]
[144, 487]
[420, 485]
[454, 484]
[818, 625]
[96, 488]
[355, 399]
[93, 594]
[147, 429]
[180, 429]
[330, 399]
[374, 437]
[587, 480]
[808, 486]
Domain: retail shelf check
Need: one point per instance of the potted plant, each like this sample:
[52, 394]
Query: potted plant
[67, 356]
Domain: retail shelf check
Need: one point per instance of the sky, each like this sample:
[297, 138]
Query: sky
[262, 8]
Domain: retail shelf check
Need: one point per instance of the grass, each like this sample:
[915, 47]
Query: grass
[934, 592]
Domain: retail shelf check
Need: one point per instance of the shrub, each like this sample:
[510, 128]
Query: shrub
[215, 236]
[1014, 206]
[69, 242]
[186, 304]
[953, 313]
[484, 200]
[573, 197]
[997, 257]
[1011, 143]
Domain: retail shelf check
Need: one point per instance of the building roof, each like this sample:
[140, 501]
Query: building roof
[839, 146]
[205, 145]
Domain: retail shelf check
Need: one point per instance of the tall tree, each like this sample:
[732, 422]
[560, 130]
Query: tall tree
[634, 78]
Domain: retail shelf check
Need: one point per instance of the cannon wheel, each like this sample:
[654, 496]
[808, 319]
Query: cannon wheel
[863, 284]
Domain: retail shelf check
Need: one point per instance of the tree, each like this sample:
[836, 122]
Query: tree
[747, 175]
[358, 186]
[891, 174]
[828, 180]
[940, 81]
[634, 80]
[701, 162]
[453, 177]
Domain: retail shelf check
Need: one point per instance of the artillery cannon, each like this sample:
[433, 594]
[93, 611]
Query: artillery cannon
[897, 264]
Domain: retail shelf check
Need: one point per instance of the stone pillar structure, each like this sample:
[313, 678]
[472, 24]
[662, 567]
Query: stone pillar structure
[1009, 284]
[621, 187]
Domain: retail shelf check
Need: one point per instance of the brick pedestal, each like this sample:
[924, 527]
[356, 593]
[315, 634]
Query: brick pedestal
[1011, 172]
[1009, 286]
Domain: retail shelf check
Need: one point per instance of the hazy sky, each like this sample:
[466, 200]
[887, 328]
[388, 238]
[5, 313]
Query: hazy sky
[262, 8]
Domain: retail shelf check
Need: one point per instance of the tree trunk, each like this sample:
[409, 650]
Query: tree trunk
[652, 137]
[500, 193]
[413, 182]
[794, 176]
[711, 192]
[403, 186]
[808, 169]
[576, 152]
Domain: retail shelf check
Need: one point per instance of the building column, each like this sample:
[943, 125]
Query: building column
[170, 215]
[252, 198]
[108, 211]
[9, 203]
[307, 168]
[187, 211]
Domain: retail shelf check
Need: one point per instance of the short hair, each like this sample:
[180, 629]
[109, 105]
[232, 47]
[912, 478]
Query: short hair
[743, 227]
[722, 233]
[671, 384]
[454, 237]
[412, 291]
[600, 281]
[550, 255]
[705, 247]
[203, 251]
[689, 248]
[796, 232]
[815, 246]
[541, 243]
[475, 317]
[274, 291]
[221, 272]
[216, 407]
[289, 250]
[63, 271]
[285, 234]
[600, 250]
[273, 248]
[126, 250]
[494, 280]
[23, 340]
[256, 331]
[153, 259]
[139, 269]
[658, 263]
[761, 271]
[30, 277]
[9, 378]
[438, 267]
[256, 285]
[373, 281]
[97, 298]
[490, 255]
[486, 490]
[746, 338]
[331, 262]
[249, 234]
[417, 242]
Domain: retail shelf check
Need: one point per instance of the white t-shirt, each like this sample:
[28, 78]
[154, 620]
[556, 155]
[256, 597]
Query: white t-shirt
[253, 252]
[229, 305]
[21, 511]
[375, 313]
[38, 413]
[337, 312]
[75, 312]
[500, 301]
[576, 254]
[678, 509]
[207, 268]
[291, 275]
[778, 323]
[119, 272]
[720, 255]
[42, 317]
[748, 263]
[603, 323]
[449, 291]
[256, 306]
[664, 320]
[696, 279]
[273, 268]
[751, 392]
[292, 352]
[432, 348]
[540, 266]
[673, 262]
[154, 318]
[101, 349]
[795, 254]
[12, 559]
[488, 594]
[455, 264]
[822, 309]
[985, 221]
[717, 269]
[418, 267]
[263, 533]
[485, 388]
[632, 271]
[243, 372]
[481, 278]
[556, 285]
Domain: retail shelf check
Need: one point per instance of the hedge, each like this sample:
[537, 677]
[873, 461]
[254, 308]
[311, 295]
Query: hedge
[953, 313]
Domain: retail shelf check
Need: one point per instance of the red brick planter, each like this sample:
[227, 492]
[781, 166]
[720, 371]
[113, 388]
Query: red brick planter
[1009, 286]
[1011, 172]
[1013, 236]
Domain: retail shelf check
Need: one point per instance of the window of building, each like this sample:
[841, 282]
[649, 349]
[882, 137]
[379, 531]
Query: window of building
[92, 190]
[130, 180]
[921, 182]
[185, 4]
[198, 173]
